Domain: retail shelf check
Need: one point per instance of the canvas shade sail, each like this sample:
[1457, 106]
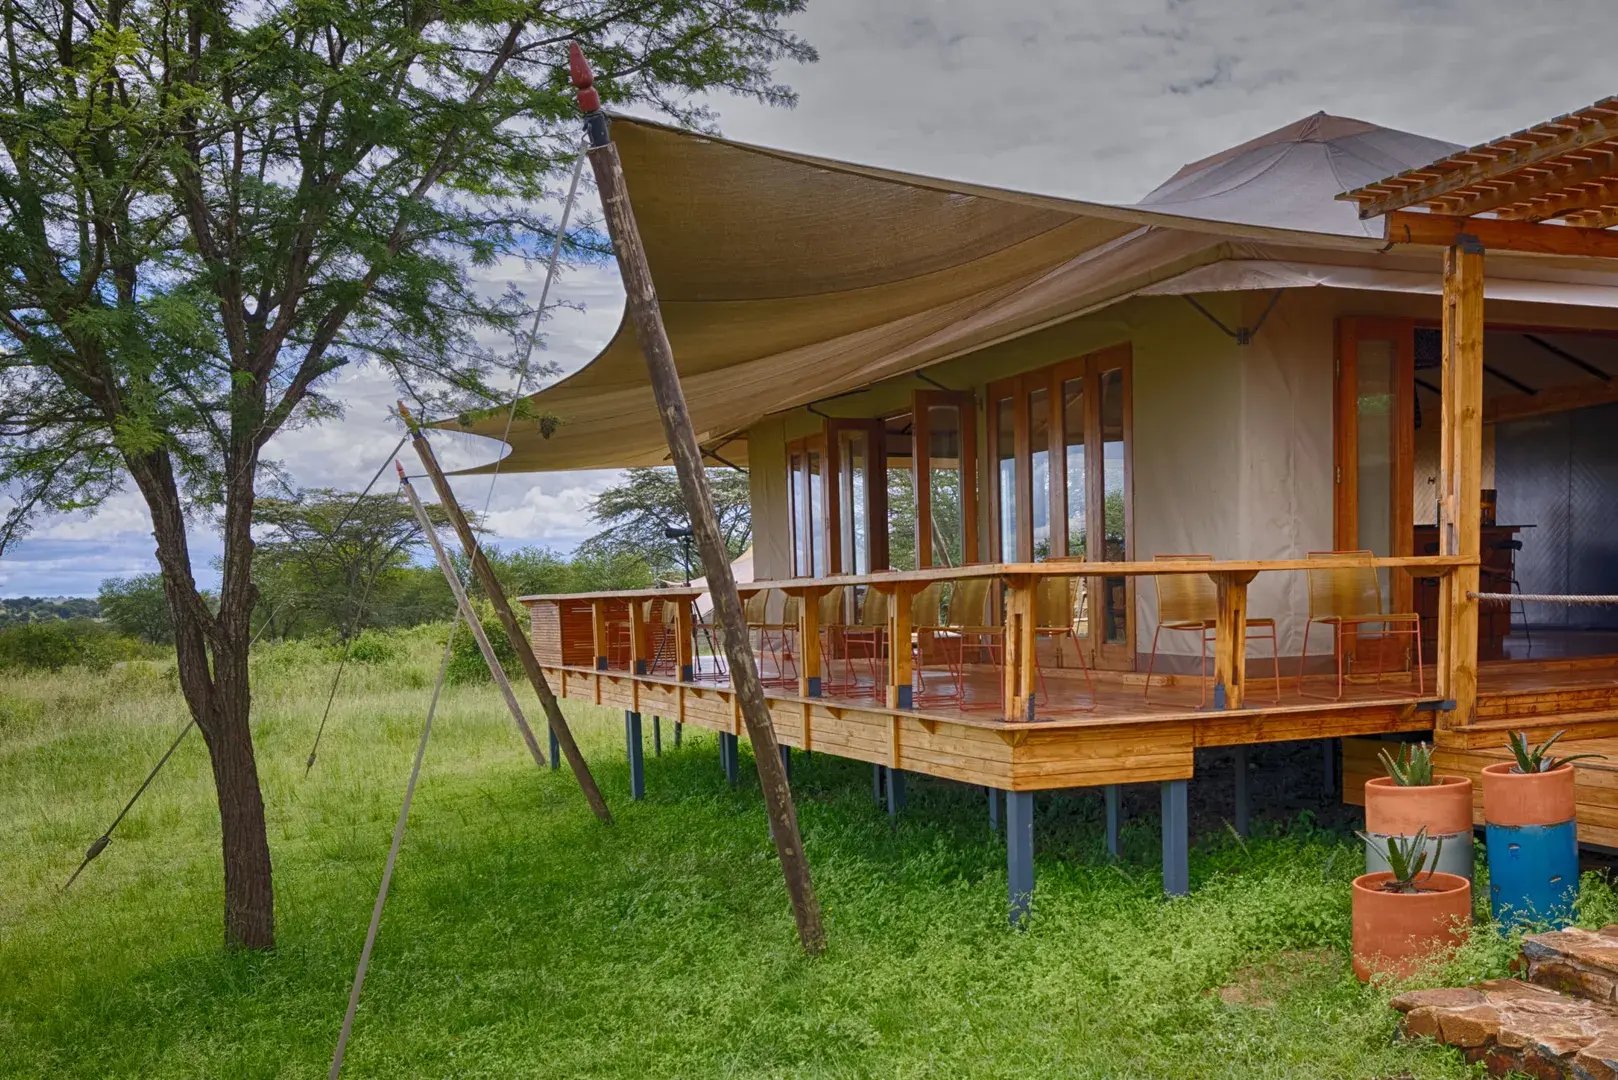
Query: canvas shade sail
[785, 278]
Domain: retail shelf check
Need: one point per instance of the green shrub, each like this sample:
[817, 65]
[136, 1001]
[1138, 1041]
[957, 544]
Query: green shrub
[61, 643]
[373, 647]
[466, 664]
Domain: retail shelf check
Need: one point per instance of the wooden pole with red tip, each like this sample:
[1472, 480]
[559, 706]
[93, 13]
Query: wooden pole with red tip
[516, 633]
[642, 307]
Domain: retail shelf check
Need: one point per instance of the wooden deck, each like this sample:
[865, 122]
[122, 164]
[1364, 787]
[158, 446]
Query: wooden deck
[1120, 735]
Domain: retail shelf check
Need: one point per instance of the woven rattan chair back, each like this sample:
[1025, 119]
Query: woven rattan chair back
[1185, 598]
[1344, 591]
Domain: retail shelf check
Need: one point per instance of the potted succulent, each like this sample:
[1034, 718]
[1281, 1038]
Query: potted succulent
[1531, 832]
[1410, 799]
[1402, 916]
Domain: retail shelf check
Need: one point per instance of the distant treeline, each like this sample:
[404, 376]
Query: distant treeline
[27, 609]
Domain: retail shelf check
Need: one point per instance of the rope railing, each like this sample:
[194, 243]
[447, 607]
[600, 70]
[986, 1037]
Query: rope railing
[1540, 598]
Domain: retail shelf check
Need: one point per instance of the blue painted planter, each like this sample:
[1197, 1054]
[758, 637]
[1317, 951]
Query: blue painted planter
[1531, 837]
[1533, 872]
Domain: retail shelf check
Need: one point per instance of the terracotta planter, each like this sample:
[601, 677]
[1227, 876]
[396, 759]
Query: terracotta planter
[1395, 933]
[1514, 798]
[1443, 807]
[1533, 845]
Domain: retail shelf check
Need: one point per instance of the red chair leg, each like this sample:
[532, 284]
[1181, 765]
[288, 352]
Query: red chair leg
[1151, 662]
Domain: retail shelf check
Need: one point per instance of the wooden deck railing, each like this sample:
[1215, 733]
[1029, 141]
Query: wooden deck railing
[1020, 582]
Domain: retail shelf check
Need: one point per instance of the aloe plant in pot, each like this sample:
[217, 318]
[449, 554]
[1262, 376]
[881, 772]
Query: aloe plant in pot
[1404, 915]
[1531, 832]
[1411, 799]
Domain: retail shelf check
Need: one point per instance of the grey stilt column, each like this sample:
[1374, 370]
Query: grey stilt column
[1242, 816]
[1019, 853]
[679, 729]
[556, 751]
[657, 736]
[895, 790]
[878, 783]
[786, 760]
[1176, 838]
[637, 755]
[730, 753]
[1112, 800]
[994, 810]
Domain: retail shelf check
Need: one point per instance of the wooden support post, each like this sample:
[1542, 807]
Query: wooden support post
[684, 640]
[1021, 684]
[1230, 636]
[901, 691]
[640, 303]
[1461, 478]
[598, 632]
[515, 632]
[640, 638]
[809, 657]
[464, 606]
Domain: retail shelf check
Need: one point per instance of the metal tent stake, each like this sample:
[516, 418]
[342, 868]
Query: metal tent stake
[641, 305]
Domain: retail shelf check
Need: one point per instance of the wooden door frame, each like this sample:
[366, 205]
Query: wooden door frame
[876, 490]
[1401, 331]
[966, 406]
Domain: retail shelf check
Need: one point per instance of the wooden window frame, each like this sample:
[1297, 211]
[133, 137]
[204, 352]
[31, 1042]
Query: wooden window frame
[1089, 368]
[966, 408]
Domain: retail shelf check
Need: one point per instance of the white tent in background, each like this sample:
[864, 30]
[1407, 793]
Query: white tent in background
[741, 567]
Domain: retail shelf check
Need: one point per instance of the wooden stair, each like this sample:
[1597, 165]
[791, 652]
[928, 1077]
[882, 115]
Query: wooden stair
[1560, 1019]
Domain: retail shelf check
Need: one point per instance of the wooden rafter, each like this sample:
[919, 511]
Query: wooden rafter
[1490, 171]
[1526, 186]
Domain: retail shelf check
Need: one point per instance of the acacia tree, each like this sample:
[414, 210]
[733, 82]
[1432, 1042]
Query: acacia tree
[326, 553]
[637, 509]
[209, 208]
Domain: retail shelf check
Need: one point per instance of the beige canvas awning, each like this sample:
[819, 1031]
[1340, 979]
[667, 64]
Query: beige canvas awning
[785, 278]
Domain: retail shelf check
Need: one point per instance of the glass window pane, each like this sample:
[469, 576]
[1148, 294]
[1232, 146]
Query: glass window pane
[944, 484]
[854, 460]
[901, 517]
[1114, 484]
[1005, 463]
[1039, 495]
[800, 535]
[817, 511]
[1077, 476]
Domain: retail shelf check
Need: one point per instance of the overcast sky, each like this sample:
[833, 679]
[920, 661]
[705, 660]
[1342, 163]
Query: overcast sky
[1101, 99]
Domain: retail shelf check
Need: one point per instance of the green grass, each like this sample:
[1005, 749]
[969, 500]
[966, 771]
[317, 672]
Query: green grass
[523, 939]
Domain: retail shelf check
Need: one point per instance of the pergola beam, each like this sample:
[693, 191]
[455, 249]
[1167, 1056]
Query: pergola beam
[1588, 195]
[1490, 161]
[1532, 183]
[1443, 230]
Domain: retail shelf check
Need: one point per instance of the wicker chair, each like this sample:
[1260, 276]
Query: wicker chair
[968, 628]
[1347, 598]
[775, 639]
[1189, 603]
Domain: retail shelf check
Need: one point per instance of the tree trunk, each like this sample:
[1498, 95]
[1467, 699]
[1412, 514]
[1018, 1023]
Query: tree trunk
[211, 652]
